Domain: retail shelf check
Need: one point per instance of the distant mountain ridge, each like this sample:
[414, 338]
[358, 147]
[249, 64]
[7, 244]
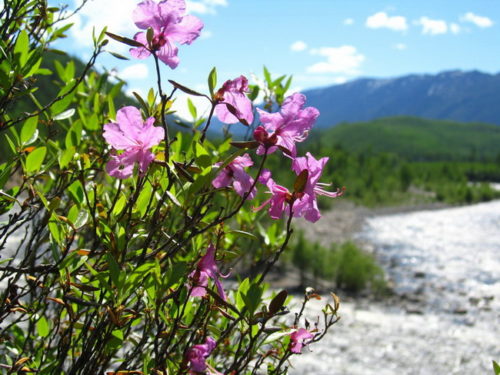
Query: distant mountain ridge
[471, 96]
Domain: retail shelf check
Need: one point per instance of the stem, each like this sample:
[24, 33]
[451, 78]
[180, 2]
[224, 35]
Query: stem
[164, 101]
[204, 132]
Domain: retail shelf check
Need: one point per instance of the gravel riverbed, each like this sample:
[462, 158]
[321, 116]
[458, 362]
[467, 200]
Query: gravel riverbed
[445, 316]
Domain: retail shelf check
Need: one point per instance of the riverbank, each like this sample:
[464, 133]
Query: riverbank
[443, 319]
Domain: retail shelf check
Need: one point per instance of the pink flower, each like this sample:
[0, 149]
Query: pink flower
[233, 93]
[206, 268]
[170, 24]
[307, 205]
[136, 137]
[283, 129]
[198, 354]
[234, 173]
[298, 339]
[280, 196]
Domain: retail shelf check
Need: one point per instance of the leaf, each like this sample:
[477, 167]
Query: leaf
[35, 159]
[124, 40]
[301, 181]
[66, 157]
[185, 89]
[118, 56]
[212, 80]
[245, 144]
[254, 92]
[66, 114]
[253, 297]
[42, 326]
[114, 270]
[120, 205]
[244, 234]
[496, 368]
[275, 336]
[192, 109]
[22, 47]
[28, 130]
[267, 76]
[277, 302]
[140, 100]
[81, 219]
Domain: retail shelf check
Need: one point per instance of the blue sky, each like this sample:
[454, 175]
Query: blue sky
[319, 42]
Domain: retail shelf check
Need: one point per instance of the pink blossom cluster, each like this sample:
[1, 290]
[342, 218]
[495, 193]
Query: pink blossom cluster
[132, 139]
[169, 25]
[279, 130]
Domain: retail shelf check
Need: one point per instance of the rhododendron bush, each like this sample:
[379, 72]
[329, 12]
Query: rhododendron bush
[128, 246]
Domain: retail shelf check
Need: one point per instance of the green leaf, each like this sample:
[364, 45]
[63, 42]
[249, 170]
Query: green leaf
[287, 84]
[175, 273]
[192, 109]
[143, 200]
[67, 97]
[28, 130]
[124, 40]
[253, 297]
[81, 219]
[114, 270]
[66, 157]
[42, 326]
[120, 205]
[254, 92]
[118, 56]
[22, 47]
[496, 368]
[212, 81]
[76, 191]
[244, 234]
[267, 76]
[66, 114]
[5, 170]
[35, 159]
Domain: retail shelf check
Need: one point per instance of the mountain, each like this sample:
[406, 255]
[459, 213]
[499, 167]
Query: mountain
[454, 95]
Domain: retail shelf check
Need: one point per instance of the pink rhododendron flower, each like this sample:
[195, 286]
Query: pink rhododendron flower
[135, 137]
[234, 173]
[307, 205]
[233, 93]
[280, 196]
[198, 354]
[283, 129]
[169, 23]
[298, 339]
[206, 268]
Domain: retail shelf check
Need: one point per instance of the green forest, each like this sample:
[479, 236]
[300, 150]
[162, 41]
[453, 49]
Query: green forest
[408, 160]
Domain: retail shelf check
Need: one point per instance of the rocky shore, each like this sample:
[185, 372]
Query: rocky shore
[443, 318]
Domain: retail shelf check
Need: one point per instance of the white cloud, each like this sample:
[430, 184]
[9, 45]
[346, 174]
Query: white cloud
[180, 106]
[205, 6]
[479, 21]
[298, 46]
[340, 60]
[455, 28]
[433, 27]
[348, 21]
[400, 46]
[206, 34]
[116, 14]
[136, 71]
[382, 20]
